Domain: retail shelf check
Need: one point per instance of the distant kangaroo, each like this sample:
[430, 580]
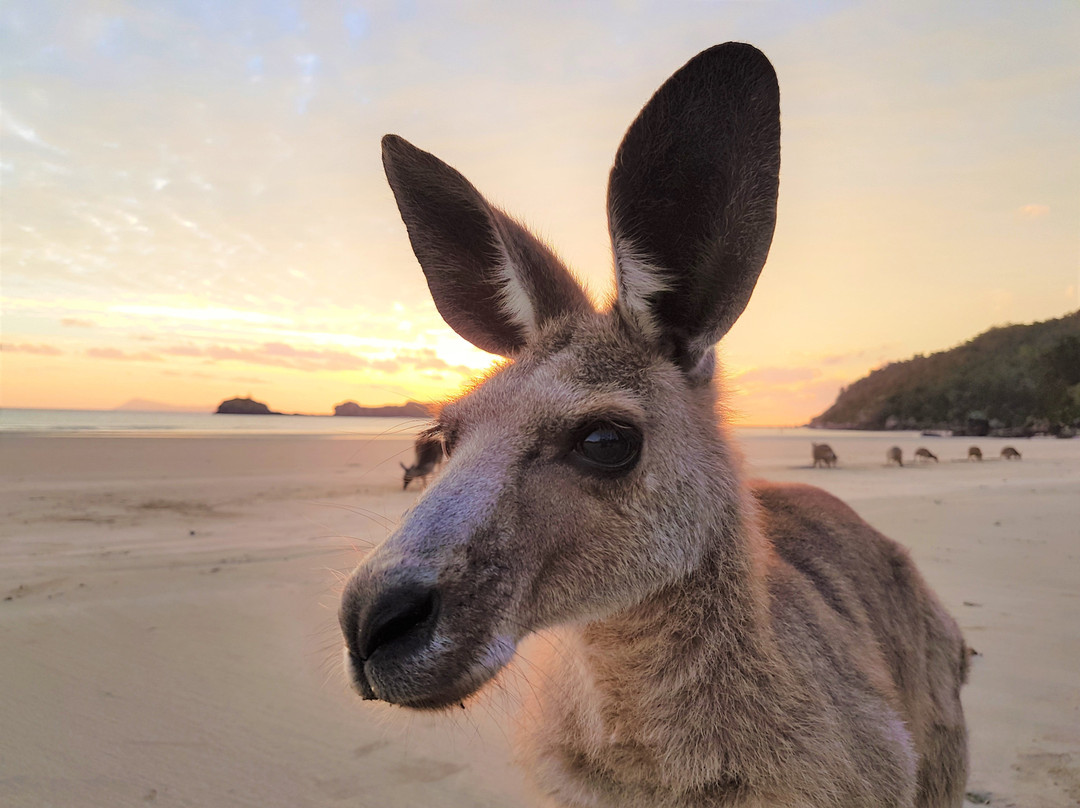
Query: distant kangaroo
[925, 454]
[823, 455]
[718, 642]
[1009, 453]
[429, 454]
[975, 453]
[894, 455]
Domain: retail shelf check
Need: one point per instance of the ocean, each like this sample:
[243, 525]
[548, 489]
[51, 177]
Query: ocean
[762, 442]
[132, 423]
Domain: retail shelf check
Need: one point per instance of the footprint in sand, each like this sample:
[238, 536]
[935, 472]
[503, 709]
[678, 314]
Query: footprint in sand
[366, 749]
[1058, 769]
[425, 770]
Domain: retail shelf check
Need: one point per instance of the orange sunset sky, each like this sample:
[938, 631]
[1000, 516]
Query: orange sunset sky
[193, 207]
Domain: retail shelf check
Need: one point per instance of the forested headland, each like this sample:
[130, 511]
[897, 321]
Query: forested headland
[1011, 380]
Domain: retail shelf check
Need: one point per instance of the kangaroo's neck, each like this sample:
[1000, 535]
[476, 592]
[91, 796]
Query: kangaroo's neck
[645, 687]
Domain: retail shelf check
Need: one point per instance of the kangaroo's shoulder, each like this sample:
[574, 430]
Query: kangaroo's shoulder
[812, 530]
[797, 502]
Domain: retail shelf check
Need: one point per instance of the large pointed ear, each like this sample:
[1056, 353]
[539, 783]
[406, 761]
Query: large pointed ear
[692, 201]
[493, 282]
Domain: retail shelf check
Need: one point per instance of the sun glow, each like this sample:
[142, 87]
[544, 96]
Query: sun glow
[186, 231]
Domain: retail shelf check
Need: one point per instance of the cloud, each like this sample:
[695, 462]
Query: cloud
[281, 354]
[27, 133]
[776, 376]
[183, 350]
[77, 322]
[1032, 211]
[116, 353]
[40, 350]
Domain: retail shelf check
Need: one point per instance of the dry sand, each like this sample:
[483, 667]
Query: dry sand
[168, 632]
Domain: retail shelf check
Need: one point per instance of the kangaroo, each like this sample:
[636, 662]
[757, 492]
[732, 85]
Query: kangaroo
[721, 642]
[925, 454]
[975, 453]
[894, 455]
[823, 455]
[429, 454]
[1009, 453]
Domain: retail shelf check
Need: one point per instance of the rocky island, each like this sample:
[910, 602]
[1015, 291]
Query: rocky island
[410, 409]
[244, 406]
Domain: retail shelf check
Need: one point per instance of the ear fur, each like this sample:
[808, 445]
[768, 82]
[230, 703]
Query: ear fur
[692, 201]
[492, 281]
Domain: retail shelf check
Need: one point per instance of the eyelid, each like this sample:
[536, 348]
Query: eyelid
[618, 420]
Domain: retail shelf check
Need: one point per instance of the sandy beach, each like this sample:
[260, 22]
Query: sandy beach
[169, 636]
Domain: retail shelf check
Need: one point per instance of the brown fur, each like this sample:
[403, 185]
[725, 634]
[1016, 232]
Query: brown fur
[894, 455]
[717, 642]
[823, 455]
[974, 453]
[1009, 453]
[429, 455]
[923, 453]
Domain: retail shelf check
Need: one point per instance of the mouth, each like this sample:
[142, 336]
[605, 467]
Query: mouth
[435, 679]
[354, 671]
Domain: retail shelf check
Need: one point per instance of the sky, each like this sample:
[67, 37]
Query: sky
[192, 204]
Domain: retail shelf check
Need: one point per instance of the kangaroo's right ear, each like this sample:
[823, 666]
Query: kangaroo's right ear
[692, 201]
[493, 281]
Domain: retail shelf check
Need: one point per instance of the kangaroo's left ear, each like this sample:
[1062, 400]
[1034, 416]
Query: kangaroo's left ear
[692, 201]
[493, 281]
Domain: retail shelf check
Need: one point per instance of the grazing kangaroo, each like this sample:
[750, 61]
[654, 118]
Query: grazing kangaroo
[894, 455]
[975, 453]
[721, 643]
[429, 454]
[823, 455]
[1009, 453]
[925, 454]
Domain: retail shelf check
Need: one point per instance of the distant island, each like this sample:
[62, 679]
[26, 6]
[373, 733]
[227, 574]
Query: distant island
[1011, 381]
[410, 409]
[244, 406]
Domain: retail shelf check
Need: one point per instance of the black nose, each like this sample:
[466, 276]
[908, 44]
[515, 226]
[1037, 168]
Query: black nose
[401, 613]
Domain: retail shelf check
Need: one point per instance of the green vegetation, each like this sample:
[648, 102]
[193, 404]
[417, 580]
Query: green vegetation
[1012, 380]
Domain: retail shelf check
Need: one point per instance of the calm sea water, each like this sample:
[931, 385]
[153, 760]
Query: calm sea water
[121, 422]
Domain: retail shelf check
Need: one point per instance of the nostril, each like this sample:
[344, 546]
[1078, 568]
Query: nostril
[397, 614]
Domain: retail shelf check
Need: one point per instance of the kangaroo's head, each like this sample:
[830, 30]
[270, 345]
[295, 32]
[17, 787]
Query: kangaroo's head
[587, 471]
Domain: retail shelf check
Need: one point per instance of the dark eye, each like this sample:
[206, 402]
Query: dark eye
[608, 447]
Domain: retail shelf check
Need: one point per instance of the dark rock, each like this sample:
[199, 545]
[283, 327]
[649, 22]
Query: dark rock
[244, 406]
[410, 409]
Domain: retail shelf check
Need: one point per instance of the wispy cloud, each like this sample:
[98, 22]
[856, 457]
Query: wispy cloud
[76, 322]
[776, 376]
[26, 133]
[24, 347]
[1032, 211]
[280, 354]
[124, 356]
